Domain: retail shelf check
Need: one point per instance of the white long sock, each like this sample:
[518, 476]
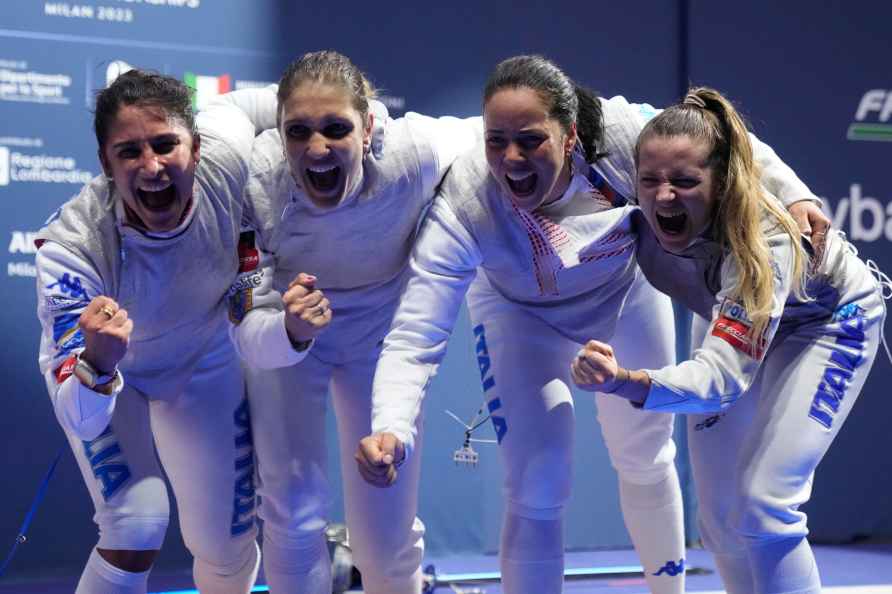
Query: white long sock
[101, 577]
[295, 567]
[532, 555]
[235, 578]
[784, 567]
[654, 517]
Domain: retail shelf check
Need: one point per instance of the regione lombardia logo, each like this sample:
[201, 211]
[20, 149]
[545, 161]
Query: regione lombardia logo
[4, 166]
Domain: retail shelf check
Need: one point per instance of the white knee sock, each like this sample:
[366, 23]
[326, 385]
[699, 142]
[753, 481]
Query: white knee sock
[532, 555]
[784, 567]
[235, 578]
[654, 516]
[736, 574]
[101, 577]
[296, 566]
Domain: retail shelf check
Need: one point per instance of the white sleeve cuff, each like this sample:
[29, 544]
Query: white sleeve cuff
[662, 397]
[83, 411]
[262, 341]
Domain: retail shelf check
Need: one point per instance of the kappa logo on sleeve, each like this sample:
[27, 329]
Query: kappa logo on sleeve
[734, 325]
[70, 285]
[248, 256]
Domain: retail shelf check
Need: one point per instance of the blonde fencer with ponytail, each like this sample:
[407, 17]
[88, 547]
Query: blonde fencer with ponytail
[742, 204]
[764, 404]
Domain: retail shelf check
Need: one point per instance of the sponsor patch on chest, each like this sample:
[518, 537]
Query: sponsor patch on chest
[246, 282]
[248, 256]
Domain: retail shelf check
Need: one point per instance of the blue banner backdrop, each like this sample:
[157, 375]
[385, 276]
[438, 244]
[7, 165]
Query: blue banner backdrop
[797, 83]
[814, 80]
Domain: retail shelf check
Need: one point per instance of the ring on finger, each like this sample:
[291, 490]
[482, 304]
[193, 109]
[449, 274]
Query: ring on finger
[107, 310]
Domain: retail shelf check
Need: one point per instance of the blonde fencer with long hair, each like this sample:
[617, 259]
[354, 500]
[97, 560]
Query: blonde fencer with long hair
[793, 333]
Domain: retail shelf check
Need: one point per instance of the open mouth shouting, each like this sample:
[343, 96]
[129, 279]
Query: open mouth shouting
[672, 223]
[323, 179]
[156, 205]
[157, 196]
[522, 184]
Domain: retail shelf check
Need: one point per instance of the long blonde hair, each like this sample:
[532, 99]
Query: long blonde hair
[707, 116]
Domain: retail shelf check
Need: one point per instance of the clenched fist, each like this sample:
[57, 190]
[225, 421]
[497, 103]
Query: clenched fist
[106, 329]
[378, 457]
[307, 311]
[595, 369]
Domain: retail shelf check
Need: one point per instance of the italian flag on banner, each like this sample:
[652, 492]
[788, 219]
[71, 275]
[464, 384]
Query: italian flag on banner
[206, 87]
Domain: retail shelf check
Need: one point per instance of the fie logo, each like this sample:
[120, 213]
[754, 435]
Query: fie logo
[872, 117]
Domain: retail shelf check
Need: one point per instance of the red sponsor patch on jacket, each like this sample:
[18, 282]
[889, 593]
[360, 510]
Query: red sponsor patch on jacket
[65, 369]
[734, 327]
[248, 256]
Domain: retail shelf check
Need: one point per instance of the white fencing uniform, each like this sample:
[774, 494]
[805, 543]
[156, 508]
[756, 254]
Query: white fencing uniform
[762, 413]
[540, 284]
[183, 390]
[358, 250]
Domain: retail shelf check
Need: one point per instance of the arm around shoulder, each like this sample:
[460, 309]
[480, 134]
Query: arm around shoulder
[259, 105]
[448, 136]
[778, 178]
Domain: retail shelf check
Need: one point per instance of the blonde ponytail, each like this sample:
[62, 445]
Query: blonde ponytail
[706, 115]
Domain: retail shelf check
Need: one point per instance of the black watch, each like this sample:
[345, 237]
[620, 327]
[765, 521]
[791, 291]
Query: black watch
[300, 345]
